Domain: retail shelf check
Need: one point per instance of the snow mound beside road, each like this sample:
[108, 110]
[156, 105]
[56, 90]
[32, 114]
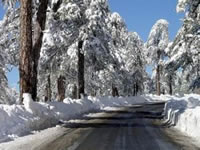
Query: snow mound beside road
[19, 120]
[181, 112]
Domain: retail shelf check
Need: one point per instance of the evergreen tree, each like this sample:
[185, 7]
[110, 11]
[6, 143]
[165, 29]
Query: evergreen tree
[185, 52]
[26, 52]
[156, 44]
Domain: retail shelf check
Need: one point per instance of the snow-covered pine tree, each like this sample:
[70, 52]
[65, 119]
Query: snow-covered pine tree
[156, 44]
[135, 63]
[104, 36]
[88, 22]
[116, 75]
[8, 46]
[185, 50]
[38, 28]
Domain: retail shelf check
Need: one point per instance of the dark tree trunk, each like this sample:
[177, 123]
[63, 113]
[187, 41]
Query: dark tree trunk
[81, 90]
[37, 41]
[170, 85]
[56, 6]
[136, 89]
[158, 79]
[61, 88]
[48, 89]
[26, 53]
[94, 93]
[74, 92]
[163, 92]
[114, 91]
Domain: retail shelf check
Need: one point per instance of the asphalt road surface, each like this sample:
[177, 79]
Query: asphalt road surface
[130, 128]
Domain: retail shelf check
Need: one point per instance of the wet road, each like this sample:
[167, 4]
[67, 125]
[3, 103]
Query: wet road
[129, 128]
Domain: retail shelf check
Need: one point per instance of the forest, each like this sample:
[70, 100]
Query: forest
[87, 82]
[69, 48]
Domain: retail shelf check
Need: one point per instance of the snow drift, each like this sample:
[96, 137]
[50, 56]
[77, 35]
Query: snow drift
[19, 120]
[181, 112]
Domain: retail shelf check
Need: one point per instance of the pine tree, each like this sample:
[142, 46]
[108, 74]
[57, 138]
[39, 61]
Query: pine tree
[156, 44]
[39, 27]
[26, 52]
[81, 79]
[185, 54]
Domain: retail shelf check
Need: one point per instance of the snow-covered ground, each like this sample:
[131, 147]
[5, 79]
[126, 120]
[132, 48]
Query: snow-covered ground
[182, 112]
[20, 120]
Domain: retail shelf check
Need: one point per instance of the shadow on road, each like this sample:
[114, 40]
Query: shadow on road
[106, 125]
[120, 118]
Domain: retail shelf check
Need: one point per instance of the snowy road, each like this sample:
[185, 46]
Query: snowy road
[130, 128]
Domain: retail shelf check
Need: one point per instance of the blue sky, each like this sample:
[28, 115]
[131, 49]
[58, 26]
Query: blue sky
[139, 16]
[2, 11]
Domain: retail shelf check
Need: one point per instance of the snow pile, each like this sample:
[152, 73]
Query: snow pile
[182, 112]
[19, 120]
[107, 102]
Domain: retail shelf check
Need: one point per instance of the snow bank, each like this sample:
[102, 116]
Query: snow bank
[182, 112]
[19, 120]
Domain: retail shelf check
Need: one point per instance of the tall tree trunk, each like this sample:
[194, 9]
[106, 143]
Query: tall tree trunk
[26, 53]
[81, 81]
[37, 41]
[48, 89]
[136, 88]
[158, 79]
[170, 85]
[94, 93]
[163, 92]
[114, 91]
[61, 88]
[74, 92]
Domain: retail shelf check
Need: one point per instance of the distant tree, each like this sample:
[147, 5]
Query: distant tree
[47, 96]
[61, 88]
[81, 64]
[135, 62]
[104, 36]
[156, 44]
